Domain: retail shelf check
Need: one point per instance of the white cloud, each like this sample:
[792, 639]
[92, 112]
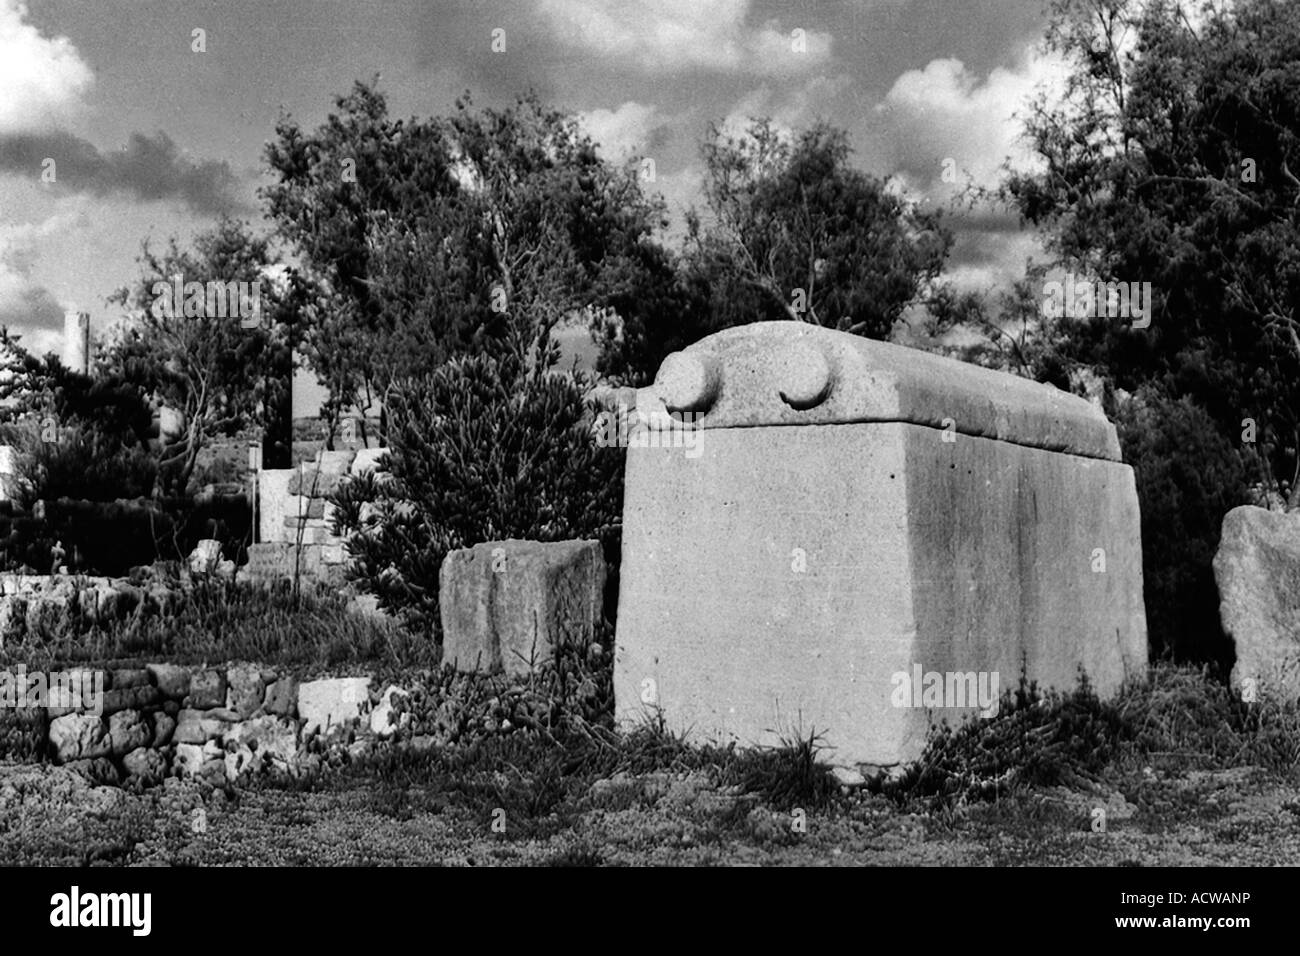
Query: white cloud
[944, 112]
[623, 132]
[674, 35]
[789, 108]
[25, 304]
[42, 79]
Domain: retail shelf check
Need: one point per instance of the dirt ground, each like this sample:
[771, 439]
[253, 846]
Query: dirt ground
[1242, 817]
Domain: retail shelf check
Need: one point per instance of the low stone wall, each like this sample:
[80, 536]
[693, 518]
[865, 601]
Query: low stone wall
[31, 602]
[143, 724]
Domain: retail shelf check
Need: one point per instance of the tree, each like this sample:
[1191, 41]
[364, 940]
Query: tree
[798, 233]
[1171, 159]
[208, 337]
[476, 232]
[80, 436]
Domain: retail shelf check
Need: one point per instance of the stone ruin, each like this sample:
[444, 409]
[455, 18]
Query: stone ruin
[294, 518]
[866, 539]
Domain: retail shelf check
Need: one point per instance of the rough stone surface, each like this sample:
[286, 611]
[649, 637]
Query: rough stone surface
[188, 760]
[870, 381]
[128, 730]
[205, 557]
[282, 697]
[245, 690]
[207, 689]
[146, 765]
[163, 728]
[130, 698]
[273, 504]
[505, 605]
[269, 738]
[1257, 569]
[78, 737]
[777, 578]
[171, 680]
[326, 703]
[197, 727]
[384, 719]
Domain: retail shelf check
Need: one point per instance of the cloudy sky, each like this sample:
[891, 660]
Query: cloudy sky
[151, 139]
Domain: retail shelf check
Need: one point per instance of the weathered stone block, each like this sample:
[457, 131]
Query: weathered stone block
[270, 738]
[128, 730]
[131, 698]
[163, 728]
[282, 697]
[1257, 569]
[834, 516]
[205, 557]
[189, 760]
[326, 703]
[273, 504]
[506, 605]
[385, 719]
[207, 689]
[171, 680]
[245, 690]
[78, 737]
[146, 765]
[197, 727]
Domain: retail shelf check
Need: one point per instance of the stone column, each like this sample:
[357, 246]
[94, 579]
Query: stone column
[76, 341]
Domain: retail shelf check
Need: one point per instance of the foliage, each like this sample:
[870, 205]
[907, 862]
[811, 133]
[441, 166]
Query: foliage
[77, 436]
[1036, 739]
[483, 449]
[77, 465]
[427, 239]
[222, 372]
[800, 234]
[1188, 477]
[1169, 159]
[113, 536]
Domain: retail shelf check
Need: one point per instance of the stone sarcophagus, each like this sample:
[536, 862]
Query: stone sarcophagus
[860, 539]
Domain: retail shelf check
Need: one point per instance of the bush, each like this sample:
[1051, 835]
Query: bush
[81, 464]
[1188, 477]
[111, 537]
[483, 449]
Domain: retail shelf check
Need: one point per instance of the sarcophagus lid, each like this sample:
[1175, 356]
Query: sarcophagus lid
[792, 373]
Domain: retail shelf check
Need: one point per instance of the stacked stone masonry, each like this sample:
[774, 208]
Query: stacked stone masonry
[294, 518]
[227, 723]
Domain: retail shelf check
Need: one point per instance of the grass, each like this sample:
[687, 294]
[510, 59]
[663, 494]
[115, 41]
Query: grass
[1188, 773]
[1180, 719]
[233, 621]
[544, 781]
